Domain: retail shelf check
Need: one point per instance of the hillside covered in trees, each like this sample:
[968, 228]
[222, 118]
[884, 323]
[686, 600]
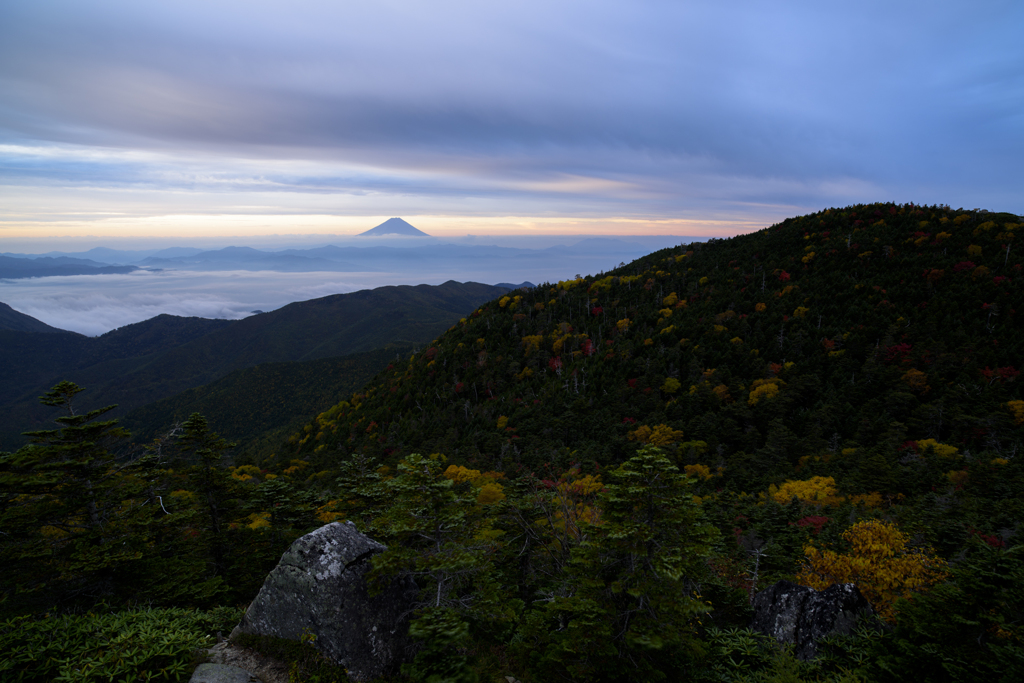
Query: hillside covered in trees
[852, 330]
[139, 364]
[257, 407]
[591, 478]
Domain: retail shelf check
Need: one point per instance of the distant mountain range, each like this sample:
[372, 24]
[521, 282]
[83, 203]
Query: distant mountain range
[399, 248]
[583, 255]
[139, 364]
[247, 258]
[43, 266]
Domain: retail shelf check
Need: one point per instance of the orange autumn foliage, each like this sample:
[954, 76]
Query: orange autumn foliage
[880, 562]
[659, 435]
[816, 490]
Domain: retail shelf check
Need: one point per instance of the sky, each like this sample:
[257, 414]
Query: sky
[126, 121]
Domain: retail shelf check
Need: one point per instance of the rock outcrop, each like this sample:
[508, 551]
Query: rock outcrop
[319, 587]
[264, 668]
[801, 616]
[220, 673]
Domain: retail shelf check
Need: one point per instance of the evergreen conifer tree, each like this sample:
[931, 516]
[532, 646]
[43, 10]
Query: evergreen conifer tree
[72, 517]
[633, 612]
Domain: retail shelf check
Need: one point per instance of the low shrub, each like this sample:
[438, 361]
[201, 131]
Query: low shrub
[131, 645]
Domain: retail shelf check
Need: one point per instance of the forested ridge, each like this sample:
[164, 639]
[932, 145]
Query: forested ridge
[259, 406]
[859, 319]
[590, 479]
[141, 363]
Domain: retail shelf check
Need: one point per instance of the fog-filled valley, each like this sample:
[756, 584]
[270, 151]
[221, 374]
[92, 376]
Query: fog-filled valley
[76, 290]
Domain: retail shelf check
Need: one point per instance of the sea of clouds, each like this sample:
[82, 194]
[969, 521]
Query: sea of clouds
[95, 304]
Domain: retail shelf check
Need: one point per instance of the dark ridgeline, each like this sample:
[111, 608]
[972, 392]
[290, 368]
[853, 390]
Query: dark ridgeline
[15, 321]
[142, 363]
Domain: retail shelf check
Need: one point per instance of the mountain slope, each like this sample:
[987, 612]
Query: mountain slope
[32, 359]
[254, 407]
[11, 319]
[161, 357]
[330, 326]
[394, 226]
[33, 362]
[823, 344]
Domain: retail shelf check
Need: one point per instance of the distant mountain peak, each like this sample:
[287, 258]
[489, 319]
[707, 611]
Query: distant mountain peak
[394, 226]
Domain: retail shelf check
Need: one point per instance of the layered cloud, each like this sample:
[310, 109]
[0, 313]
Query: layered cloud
[651, 110]
[94, 304]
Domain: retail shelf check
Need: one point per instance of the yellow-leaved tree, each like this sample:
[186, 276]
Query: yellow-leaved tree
[763, 389]
[816, 490]
[659, 435]
[1017, 408]
[485, 484]
[880, 561]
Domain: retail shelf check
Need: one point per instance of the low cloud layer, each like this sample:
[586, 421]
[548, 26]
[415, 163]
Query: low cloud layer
[95, 304]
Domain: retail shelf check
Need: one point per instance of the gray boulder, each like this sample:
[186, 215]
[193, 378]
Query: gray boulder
[801, 616]
[219, 673]
[320, 587]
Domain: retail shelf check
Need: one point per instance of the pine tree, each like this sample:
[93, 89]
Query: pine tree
[205, 449]
[635, 606]
[435, 533]
[73, 517]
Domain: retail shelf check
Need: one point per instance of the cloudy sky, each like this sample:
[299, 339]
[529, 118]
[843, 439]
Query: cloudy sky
[184, 119]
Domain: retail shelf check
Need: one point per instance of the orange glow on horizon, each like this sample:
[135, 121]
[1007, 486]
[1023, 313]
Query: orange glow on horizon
[178, 227]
